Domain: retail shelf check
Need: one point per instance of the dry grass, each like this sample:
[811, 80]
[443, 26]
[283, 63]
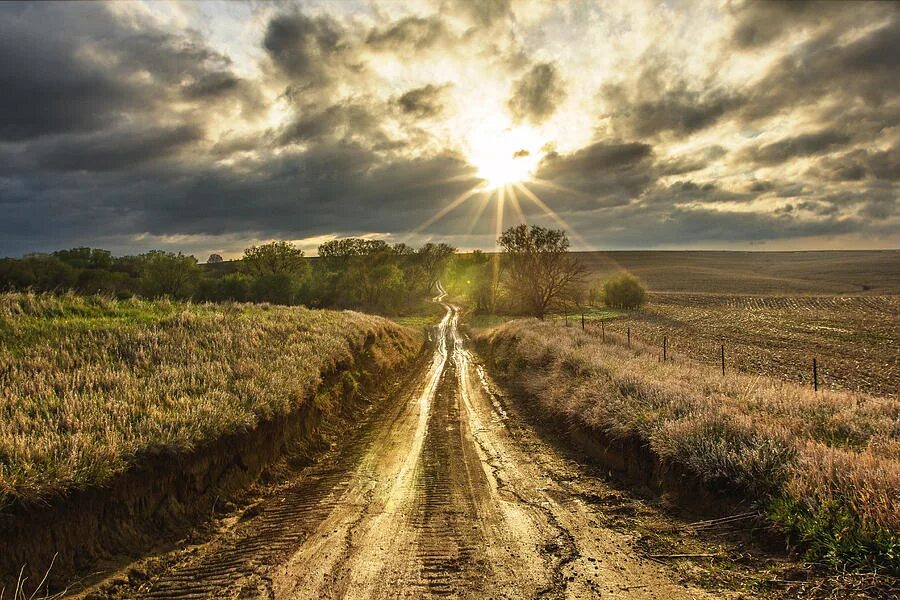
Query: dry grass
[88, 385]
[827, 465]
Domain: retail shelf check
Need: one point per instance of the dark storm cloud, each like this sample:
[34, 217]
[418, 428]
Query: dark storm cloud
[335, 186]
[761, 23]
[860, 164]
[611, 173]
[46, 87]
[690, 161]
[864, 67]
[115, 150]
[484, 12]
[305, 48]
[797, 146]
[423, 101]
[74, 68]
[650, 104]
[336, 121]
[537, 94]
[212, 85]
[410, 33]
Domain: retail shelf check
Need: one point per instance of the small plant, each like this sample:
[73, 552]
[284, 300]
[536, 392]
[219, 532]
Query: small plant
[624, 292]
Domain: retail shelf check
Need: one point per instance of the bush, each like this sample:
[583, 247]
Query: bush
[624, 292]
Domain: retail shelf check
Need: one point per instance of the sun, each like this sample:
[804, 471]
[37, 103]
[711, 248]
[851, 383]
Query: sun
[505, 156]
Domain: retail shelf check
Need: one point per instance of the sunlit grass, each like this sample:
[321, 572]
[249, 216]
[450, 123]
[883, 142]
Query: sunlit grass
[88, 385]
[826, 464]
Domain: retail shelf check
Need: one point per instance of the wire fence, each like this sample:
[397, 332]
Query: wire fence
[662, 348]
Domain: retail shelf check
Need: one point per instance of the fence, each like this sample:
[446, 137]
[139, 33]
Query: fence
[664, 349]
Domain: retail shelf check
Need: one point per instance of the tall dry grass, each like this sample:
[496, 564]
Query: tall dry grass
[88, 384]
[825, 464]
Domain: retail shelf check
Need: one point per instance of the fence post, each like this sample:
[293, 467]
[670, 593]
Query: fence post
[723, 359]
[602, 331]
[665, 343]
[582, 321]
[815, 376]
[629, 337]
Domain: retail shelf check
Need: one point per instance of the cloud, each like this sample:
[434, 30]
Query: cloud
[760, 123]
[796, 146]
[410, 33]
[607, 172]
[334, 122]
[484, 12]
[808, 73]
[422, 102]
[654, 103]
[536, 96]
[116, 149]
[758, 24]
[305, 48]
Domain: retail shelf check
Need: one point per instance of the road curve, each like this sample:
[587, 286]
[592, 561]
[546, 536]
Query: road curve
[444, 492]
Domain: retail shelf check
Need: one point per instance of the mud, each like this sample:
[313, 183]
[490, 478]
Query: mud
[445, 492]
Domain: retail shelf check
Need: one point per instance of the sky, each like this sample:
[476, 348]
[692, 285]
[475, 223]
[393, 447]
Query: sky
[208, 127]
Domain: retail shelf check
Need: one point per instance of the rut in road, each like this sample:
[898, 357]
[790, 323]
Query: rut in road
[443, 491]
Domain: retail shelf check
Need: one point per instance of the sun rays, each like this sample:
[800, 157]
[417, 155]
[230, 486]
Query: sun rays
[505, 163]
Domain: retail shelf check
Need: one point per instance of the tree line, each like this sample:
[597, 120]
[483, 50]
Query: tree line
[534, 274]
[349, 273]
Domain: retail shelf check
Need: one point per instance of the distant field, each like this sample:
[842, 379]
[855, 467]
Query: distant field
[829, 272]
[88, 385]
[855, 339]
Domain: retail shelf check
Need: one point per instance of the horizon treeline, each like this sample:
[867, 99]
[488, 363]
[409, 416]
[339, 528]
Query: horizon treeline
[349, 273]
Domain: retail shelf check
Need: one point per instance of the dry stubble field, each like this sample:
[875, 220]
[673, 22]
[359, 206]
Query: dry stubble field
[853, 338]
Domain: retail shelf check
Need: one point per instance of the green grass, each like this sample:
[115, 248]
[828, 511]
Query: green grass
[89, 385]
[426, 314]
[824, 465]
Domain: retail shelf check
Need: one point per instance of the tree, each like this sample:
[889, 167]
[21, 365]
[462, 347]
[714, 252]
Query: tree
[274, 258]
[433, 260]
[363, 273]
[472, 275]
[349, 247]
[277, 288]
[169, 274]
[214, 259]
[625, 292]
[540, 271]
[86, 258]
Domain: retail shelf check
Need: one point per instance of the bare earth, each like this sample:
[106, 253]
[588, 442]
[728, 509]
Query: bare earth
[443, 492]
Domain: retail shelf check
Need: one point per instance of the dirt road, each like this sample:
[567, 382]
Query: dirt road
[444, 492]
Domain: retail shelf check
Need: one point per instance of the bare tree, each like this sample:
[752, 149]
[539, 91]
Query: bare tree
[540, 271]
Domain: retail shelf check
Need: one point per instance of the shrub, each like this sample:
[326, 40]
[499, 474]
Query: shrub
[625, 292]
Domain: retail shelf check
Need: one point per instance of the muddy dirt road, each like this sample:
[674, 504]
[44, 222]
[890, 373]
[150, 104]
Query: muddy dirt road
[442, 492]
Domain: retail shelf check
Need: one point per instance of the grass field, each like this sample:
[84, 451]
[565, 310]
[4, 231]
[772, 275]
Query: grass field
[88, 385]
[824, 465]
[854, 338]
[753, 273]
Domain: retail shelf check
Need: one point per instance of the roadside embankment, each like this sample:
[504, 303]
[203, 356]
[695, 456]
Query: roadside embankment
[825, 466]
[125, 422]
